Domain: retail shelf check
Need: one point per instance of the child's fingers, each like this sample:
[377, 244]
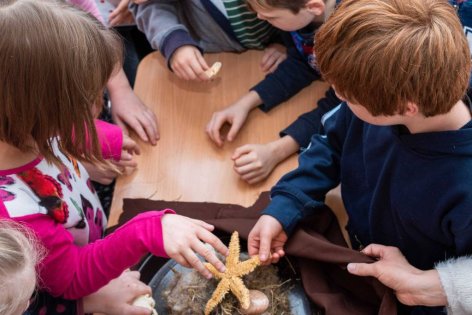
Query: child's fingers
[247, 168]
[267, 54]
[274, 67]
[201, 61]
[133, 274]
[214, 241]
[178, 72]
[235, 127]
[251, 175]
[180, 69]
[152, 118]
[129, 144]
[190, 73]
[122, 165]
[253, 240]
[203, 66]
[245, 175]
[148, 124]
[241, 150]
[214, 129]
[264, 247]
[209, 255]
[271, 60]
[182, 261]
[242, 161]
[256, 180]
[125, 157]
[122, 125]
[203, 224]
[196, 70]
[135, 124]
[196, 263]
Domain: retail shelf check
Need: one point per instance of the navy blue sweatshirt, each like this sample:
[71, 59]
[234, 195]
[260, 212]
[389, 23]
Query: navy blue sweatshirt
[291, 76]
[413, 191]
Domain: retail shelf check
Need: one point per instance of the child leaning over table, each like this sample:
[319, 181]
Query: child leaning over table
[183, 30]
[46, 132]
[300, 19]
[401, 143]
[127, 110]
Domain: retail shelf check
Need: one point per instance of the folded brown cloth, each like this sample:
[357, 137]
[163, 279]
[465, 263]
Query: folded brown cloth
[317, 245]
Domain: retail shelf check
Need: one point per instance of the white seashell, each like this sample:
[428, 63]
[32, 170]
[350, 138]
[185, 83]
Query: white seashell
[146, 301]
[214, 69]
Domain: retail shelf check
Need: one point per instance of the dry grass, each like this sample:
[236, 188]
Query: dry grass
[189, 293]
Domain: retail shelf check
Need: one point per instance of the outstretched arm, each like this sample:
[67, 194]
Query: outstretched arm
[74, 272]
[128, 111]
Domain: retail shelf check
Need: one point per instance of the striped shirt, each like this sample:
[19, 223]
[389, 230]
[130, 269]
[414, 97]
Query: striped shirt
[249, 30]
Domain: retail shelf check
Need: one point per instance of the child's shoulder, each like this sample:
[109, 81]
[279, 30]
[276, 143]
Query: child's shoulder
[30, 189]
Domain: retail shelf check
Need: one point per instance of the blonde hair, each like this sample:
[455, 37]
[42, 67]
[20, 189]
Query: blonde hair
[54, 63]
[382, 54]
[19, 254]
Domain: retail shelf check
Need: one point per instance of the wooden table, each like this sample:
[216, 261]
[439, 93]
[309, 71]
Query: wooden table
[185, 165]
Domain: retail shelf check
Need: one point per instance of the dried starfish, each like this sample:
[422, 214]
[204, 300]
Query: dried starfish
[231, 278]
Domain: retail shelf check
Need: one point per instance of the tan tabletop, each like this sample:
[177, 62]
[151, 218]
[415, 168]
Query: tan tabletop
[185, 165]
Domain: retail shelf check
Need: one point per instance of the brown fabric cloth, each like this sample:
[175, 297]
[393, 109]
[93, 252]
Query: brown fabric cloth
[317, 245]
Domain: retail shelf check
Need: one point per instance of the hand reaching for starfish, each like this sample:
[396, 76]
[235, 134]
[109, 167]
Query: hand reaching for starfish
[231, 280]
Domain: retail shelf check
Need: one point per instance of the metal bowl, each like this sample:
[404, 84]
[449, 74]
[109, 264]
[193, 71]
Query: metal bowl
[299, 303]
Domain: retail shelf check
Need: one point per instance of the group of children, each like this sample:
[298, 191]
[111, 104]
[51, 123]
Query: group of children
[394, 131]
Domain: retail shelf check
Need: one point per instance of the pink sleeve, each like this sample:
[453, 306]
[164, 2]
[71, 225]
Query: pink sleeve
[74, 272]
[88, 6]
[111, 139]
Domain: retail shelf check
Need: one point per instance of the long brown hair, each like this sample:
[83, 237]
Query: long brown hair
[383, 54]
[54, 63]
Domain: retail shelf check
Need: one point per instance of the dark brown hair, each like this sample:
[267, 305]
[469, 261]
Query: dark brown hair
[383, 54]
[54, 63]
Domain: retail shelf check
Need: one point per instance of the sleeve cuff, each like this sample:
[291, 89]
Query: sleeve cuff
[175, 40]
[283, 209]
[110, 137]
[268, 102]
[302, 130]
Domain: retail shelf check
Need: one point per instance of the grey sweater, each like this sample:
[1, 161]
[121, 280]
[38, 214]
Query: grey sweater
[456, 279]
[170, 24]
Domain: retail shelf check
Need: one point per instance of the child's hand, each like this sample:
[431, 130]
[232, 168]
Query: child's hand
[116, 297]
[235, 115]
[188, 64]
[104, 176]
[129, 146]
[274, 54]
[121, 15]
[267, 239]
[184, 237]
[254, 162]
[127, 110]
